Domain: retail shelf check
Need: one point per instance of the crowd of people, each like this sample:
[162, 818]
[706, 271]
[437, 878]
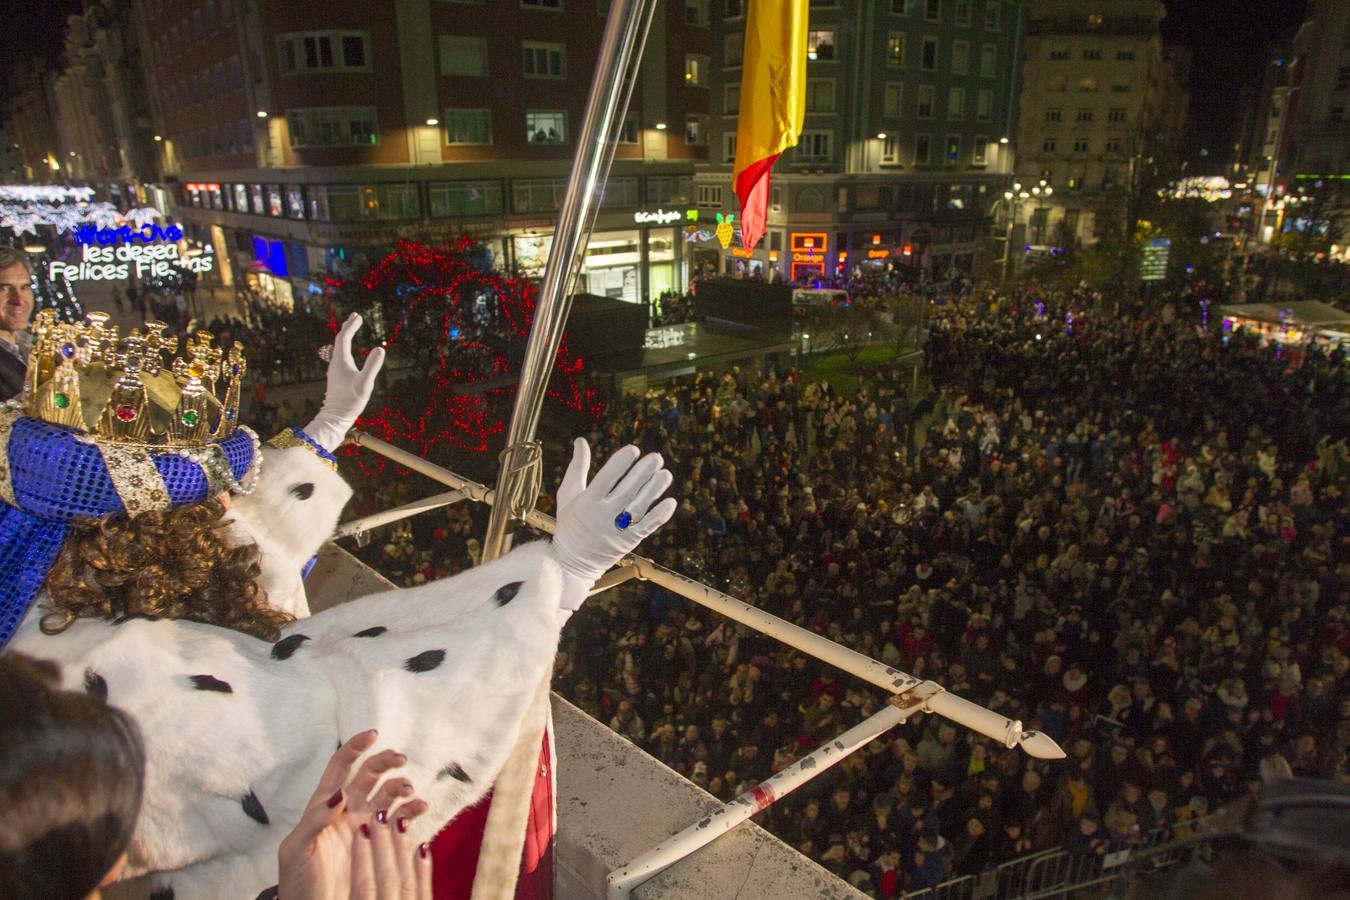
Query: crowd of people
[1128, 534]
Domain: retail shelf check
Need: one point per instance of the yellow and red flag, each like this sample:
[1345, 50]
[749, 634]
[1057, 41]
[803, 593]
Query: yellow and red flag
[773, 103]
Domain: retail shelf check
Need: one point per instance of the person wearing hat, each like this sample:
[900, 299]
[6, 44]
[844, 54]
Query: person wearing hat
[151, 547]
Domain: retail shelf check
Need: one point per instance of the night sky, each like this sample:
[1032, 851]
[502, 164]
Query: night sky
[1229, 38]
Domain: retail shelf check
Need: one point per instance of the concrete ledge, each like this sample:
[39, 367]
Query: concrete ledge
[615, 802]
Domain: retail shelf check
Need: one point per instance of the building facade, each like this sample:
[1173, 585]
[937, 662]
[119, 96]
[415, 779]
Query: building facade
[1102, 107]
[905, 147]
[296, 137]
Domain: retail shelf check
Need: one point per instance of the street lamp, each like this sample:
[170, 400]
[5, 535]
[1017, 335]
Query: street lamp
[1041, 191]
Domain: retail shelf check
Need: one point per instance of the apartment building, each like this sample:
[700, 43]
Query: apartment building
[910, 108]
[294, 137]
[1103, 103]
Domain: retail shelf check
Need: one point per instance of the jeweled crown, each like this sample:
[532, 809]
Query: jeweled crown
[117, 388]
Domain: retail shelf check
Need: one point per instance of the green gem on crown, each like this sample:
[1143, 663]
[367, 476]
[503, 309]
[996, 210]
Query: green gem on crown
[191, 417]
[61, 400]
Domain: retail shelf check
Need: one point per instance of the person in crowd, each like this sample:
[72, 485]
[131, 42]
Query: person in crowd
[1127, 533]
[16, 309]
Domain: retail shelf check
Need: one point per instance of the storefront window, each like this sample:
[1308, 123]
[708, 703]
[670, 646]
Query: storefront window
[241, 198]
[274, 204]
[255, 191]
[662, 275]
[610, 266]
[217, 198]
[295, 201]
[452, 199]
[531, 252]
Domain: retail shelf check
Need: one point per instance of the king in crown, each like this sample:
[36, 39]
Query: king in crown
[146, 550]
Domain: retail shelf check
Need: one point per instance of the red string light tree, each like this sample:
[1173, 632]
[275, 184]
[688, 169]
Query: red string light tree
[456, 330]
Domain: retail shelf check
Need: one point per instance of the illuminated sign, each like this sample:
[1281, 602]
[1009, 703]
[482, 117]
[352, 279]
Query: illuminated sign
[878, 254]
[146, 234]
[117, 263]
[808, 241]
[656, 216]
[1153, 262]
[742, 252]
[805, 258]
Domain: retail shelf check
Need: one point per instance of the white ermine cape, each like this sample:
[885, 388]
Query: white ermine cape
[238, 730]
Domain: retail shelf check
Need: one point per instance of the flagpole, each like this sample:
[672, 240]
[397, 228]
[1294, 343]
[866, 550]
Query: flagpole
[621, 47]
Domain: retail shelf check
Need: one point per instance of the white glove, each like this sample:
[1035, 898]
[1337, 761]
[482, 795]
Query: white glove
[348, 389]
[588, 539]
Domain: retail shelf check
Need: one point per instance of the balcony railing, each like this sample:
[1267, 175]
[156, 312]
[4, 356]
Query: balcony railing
[908, 694]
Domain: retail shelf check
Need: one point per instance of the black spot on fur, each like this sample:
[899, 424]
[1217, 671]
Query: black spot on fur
[253, 808]
[507, 592]
[303, 491]
[162, 893]
[268, 894]
[455, 771]
[211, 683]
[425, 661]
[94, 684]
[374, 631]
[283, 648]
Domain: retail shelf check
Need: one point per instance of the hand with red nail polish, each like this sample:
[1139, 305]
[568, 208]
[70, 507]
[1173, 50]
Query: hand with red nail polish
[345, 844]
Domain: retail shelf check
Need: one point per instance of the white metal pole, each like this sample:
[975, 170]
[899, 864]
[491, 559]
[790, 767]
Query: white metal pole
[621, 882]
[356, 527]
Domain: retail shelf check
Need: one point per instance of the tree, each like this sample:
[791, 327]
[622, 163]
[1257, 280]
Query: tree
[848, 330]
[456, 332]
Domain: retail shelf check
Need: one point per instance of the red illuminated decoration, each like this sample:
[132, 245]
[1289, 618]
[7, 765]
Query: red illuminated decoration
[452, 318]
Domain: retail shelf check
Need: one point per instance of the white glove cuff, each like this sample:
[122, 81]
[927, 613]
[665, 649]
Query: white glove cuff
[575, 589]
[328, 431]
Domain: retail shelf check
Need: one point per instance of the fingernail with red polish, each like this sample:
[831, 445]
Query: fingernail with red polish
[365, 831]
[402, 825]
[382, 816]
[423, 850]
[335, 799]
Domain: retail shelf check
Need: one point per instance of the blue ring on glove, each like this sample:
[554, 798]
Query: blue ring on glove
[623, 520]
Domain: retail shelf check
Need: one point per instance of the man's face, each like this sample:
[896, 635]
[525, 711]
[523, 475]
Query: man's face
[16, 298]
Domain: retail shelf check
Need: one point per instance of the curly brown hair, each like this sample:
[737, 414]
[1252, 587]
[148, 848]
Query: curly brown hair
[178, 564]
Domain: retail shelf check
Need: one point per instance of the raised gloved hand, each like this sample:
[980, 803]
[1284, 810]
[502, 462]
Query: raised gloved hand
[600, 523]
[348, 389]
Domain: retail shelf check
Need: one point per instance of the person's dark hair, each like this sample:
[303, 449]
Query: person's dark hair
[72, 770]
[13, 256]
[179, 564]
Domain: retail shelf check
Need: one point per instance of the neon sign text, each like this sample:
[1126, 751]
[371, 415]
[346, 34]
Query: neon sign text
[146, 234]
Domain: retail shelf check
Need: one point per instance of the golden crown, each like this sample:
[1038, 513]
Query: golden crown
[90, 378]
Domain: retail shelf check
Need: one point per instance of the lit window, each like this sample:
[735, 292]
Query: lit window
[895, 49]
[1087, 84]
[820, 43]
[953, 152]
[1095, 20]
[695, 70]
[979, 150]
[890, 150]
[546, 127]
[696, 131]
